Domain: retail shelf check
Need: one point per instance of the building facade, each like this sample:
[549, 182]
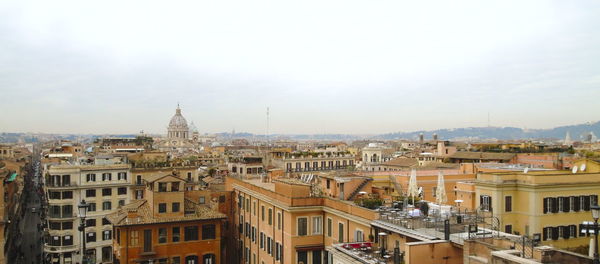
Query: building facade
[104, 188]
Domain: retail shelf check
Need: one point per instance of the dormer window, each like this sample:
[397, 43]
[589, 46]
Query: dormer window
[175, 186]
[162, 186]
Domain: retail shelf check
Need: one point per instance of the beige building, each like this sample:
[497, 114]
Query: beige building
[312, 161]
[104, 188]
[551, 203]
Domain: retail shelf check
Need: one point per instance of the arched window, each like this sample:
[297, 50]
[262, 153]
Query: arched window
[209, 259]
[191, 260]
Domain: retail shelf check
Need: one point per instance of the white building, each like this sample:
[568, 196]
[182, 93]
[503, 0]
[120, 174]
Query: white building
[105, 187]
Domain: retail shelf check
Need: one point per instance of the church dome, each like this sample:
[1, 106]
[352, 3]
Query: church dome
[193, 128]
[178, 121]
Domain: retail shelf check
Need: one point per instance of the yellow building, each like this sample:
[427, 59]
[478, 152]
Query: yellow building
[550, 203]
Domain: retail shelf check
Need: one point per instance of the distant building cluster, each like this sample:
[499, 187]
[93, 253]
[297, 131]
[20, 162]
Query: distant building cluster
[187, 198]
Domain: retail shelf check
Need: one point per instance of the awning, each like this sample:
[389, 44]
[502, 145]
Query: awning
[12, 177]
[310, 247]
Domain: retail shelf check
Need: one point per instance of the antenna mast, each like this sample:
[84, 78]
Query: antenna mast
[267, 126]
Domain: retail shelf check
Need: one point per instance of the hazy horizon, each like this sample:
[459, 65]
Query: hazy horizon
[322, 67]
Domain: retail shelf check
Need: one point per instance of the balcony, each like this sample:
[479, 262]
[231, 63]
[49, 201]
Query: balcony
[367, 253]
[61, 216]
[59, 249]
[53, 185]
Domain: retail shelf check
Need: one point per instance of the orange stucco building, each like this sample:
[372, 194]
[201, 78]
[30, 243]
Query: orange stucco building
[167, 227]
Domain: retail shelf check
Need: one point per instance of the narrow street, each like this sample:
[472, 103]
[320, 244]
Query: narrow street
[30, 243]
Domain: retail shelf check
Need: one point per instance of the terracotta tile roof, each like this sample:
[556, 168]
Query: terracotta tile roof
[145, 216]
[481, 155]
[401, 162]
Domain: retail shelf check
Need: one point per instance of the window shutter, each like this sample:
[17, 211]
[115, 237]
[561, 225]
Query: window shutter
[586, 203]
[545, 233]
[554, 205]
[554, 233]
[481, 201]
[576, 203]
[594, 199]
[566, 232]
[567, 204]
[545, 205]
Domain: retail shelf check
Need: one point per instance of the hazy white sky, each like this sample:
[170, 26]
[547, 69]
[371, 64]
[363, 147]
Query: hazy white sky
[321, 66]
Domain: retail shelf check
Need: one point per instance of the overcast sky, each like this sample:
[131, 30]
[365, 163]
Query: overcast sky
[321, 66]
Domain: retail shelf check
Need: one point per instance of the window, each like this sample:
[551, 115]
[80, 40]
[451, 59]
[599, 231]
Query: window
[190, 233]
[270, 216]
[212, 259]
[90, 222]
[134, 239]
[253, 235]
[162, 235]
[67, 241]
[90, 237]
[139, 194]
[485, 202]
[92, 207]
[176, 260]
[105, 221]
[317, 225]
[269, 245]
[162, 186]
[106, 192]
[90, 177]
[566, 204]
[106, 254]
[54, 195]
[90, 193]
[67, 225]
[122, 176]
[175, 207]
[508, 204]
[508, 229]
[202, 200]
[122, 191]
[106, 235]
[316, 257]
[328, 184]
[55, 225]
[561, 201]
[162, 207]
[329, 227]
[277, 252]
[67, 195]
[67, 210]
[340, 232]
[302, 257]
[302, 226]
[175, 186]
[279, 221]
[175, 234]
[358, 235]
[106, 176]
[262, 212]
[121, 202]
[261, 239]
[106, 205]
[209, 232]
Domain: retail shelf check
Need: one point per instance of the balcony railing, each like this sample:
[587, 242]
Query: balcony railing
[59, 249]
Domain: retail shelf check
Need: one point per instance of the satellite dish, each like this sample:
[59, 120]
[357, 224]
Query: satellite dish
[582, 167]
[526, 170]
[574, 170]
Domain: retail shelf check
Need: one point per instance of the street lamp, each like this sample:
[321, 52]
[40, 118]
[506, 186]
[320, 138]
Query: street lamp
[595, 214]
[83, 208]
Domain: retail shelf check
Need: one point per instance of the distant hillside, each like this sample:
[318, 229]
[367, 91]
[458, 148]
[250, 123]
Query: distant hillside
[577, 132]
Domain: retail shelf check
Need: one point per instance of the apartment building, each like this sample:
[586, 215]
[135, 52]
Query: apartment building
[313, 161]
[285, 221]
[551, 203]
[167, 227]
[104, 187]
